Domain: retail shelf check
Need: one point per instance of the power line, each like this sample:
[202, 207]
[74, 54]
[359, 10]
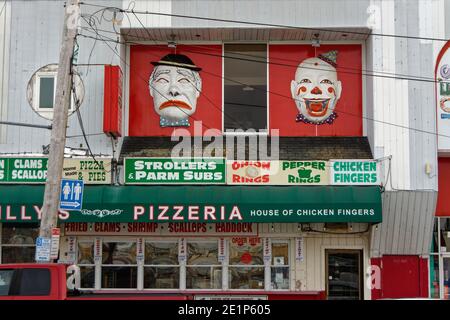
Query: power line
[341, 31]
[372, 73]
[126, 63]
[375, 74]
[291, 98]
[3, 8]
[340, 68]
[207, 98]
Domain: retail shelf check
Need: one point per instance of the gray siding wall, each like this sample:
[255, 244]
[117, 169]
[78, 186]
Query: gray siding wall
[36, 29]
[316, 13]
[408, 218]
[5, 23]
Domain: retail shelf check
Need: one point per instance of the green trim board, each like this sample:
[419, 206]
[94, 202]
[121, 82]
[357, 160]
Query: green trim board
[259, 204]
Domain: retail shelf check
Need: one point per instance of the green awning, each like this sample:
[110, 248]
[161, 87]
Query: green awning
[265, 204]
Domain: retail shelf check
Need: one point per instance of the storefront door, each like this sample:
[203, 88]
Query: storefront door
[343, 274]
[445, 278]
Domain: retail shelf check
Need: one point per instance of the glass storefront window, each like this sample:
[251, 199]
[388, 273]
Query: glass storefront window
[279, 270]
[86, 263]
[18, 254]
[246, 269]
[18, 243]
[203, 270]
[161, 269]
[445, 235]
[446, 280]
[246, 277]
[5, 281]
[435, 237]
[119, 266]
[434, 276]
[20, 235]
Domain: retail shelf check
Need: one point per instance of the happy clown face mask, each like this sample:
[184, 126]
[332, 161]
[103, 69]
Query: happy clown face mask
[316, 89]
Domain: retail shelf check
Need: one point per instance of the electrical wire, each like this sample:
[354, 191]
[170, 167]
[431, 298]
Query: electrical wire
[126, 63]
[340, 31]
[291, 98]
[362, 72]
[3, 8]
[193, 85]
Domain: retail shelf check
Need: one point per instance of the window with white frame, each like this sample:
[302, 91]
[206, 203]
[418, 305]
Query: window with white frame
[119, 265]
[18, 242]
[41, 91]
[203, 269]
[86, 263]
[45, 91]
[246, 264]
[279, 270]
[161, 267]
[242, 269]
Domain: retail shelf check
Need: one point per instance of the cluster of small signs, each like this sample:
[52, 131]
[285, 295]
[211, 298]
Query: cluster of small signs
[220, 171]
[34, 170]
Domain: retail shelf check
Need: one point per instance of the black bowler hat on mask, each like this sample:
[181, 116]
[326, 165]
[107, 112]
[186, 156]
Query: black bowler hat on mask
[177, 60]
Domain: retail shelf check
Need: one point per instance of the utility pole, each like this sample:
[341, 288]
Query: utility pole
[50, 207]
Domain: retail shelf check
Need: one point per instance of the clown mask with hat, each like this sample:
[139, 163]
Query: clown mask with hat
[316, 89]
[175, 85]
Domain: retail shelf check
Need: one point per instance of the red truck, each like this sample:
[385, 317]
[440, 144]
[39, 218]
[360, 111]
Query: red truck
[30, 281]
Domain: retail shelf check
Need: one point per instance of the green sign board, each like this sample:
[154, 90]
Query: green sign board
[23, 170]
[208, 204]
[355, 172]
[174, 171]
[34, 170]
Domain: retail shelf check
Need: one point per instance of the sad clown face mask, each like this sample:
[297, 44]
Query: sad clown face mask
[316, 89]
[175, 85]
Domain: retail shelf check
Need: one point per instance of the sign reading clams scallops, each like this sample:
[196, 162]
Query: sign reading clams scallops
[174, 171]
[34, 170]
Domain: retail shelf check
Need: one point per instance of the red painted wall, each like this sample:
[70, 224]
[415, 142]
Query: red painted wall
[401, 277]
[284, 60]
[112, 102]
[443, 205]
[143, 120]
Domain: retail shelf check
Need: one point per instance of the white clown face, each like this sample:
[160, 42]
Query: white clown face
[175, 91]
[316, 89]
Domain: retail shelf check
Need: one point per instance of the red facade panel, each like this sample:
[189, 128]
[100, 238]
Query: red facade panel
[112, 103]
[443, 205]
[151, 92]
[284, 74]
[401, 277]
[311, 91]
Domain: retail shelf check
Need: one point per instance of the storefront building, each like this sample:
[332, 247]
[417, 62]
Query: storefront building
[233, 160]
[439, 256]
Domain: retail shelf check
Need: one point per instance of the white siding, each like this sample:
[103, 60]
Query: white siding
[306, 13]
[5, 21]
[149, 21]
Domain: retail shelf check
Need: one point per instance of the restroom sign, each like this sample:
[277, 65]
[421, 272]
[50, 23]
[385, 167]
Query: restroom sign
[71, 197]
